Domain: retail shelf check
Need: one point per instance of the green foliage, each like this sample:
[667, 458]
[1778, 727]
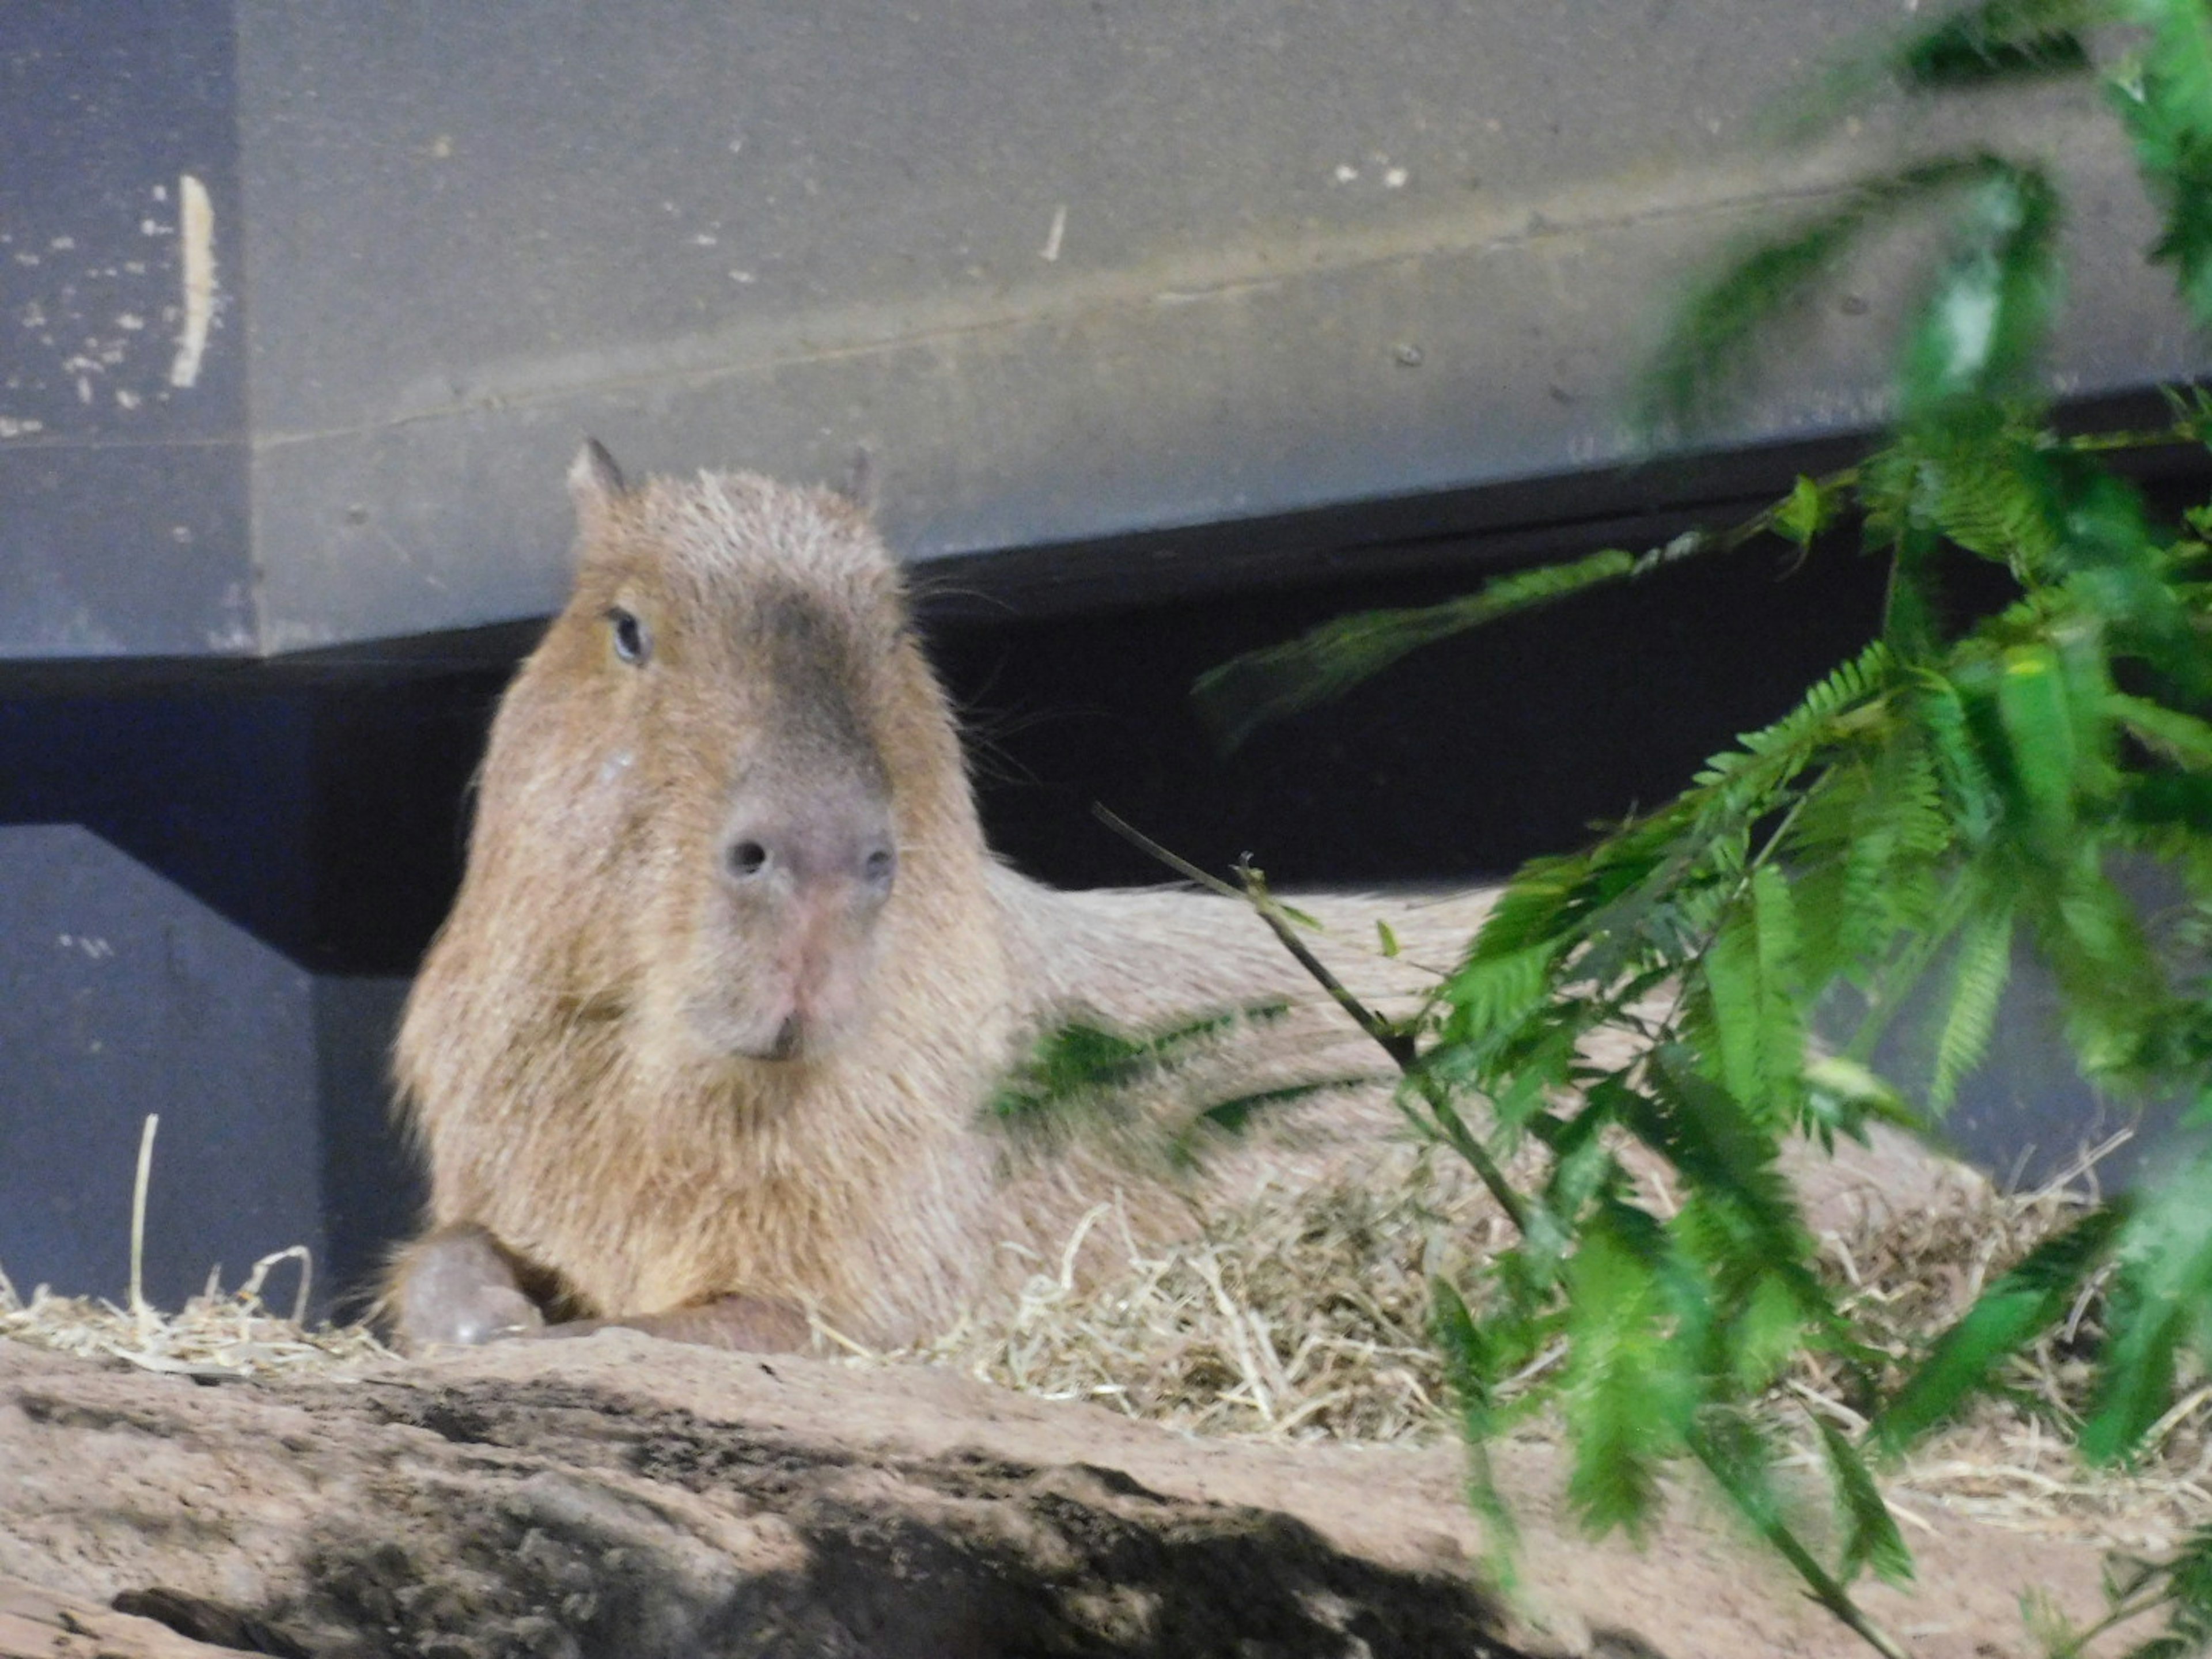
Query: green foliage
[1870, 1535]
[1983, 325]
[1081, 1059]
[2180, 1585]
[1707, 348]
[2162, 1302]
[1241, 695]
[1993, 42]
[2021, 1303]
[1979, 45]
[1961, 792]
[2164, 98]
[1080, 1072]
[1809, 511]
[1984, 962]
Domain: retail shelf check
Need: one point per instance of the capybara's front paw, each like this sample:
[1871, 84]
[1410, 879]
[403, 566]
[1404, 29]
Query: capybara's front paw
[744, 1324]
[456, 1288]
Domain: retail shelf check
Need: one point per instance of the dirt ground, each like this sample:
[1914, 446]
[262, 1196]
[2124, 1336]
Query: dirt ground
[623, 1496]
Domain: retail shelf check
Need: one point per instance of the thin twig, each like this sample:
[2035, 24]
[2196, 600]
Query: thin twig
[1398, 1044]
[1821, 1585]
[1395, 1043]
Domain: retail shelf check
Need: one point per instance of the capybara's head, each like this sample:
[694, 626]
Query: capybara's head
[717, 777]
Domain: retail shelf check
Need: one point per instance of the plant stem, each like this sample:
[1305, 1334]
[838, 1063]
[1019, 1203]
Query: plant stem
[1822, 1586]
[1394, 1042]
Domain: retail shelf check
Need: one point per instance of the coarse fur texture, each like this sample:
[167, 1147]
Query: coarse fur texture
[732, 976]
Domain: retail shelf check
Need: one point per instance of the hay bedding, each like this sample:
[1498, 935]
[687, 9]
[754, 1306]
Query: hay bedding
[1295, 1316]
[1300, 1315]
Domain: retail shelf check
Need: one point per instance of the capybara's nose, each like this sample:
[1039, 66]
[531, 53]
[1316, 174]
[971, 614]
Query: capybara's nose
[832, 845]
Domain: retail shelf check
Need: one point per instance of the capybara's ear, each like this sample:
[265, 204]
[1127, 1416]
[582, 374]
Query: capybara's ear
[594, 482]
[858, 486]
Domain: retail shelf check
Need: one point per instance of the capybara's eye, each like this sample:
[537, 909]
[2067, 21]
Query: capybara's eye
[632, 643]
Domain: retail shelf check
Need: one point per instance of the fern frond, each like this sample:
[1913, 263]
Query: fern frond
[1978, 984]
[1982, 329]
[1708, 345]
[1750, 976]
[1248, 691]
[1534, 906]
[1492, 994]
[1990, 493]
[2005, 1318]
[1751, 775]
[2094, 941]
[1870, 1535]
[2165, 102]
[1971, 792]
[2189, 1584]
[2158, 1305]
[1978, 43]
[1628, 1396]
[2043, 741]
[1725, 1152]
[1473, 1370]
[1884, 855]
[1995, 40]
[2181, 738]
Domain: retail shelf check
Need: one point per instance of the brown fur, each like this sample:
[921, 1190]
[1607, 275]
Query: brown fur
[583, 1059]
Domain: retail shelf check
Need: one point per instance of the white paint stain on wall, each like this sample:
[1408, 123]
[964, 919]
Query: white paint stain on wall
[196, 229]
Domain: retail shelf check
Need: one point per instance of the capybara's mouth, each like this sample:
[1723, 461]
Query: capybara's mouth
[771, 1038]
[787, 1042]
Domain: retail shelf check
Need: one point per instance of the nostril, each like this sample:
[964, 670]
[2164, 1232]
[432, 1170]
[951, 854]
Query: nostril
[747, 858]
[877, 869]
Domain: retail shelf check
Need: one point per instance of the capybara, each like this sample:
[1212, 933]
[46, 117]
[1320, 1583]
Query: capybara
[703, 1046]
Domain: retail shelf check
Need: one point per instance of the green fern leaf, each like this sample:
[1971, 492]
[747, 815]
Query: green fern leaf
[2005, 1318]
[1750, 977]
[1536, 905]
[2189, 1585]
[1233, 1115]
[1079, 1066]
[1492, 994]
[1472, 1371]
[2041, 737]
[1808, 510]
[1870, 1535]
[1982, 329]
[1766, 1335]
[1738, 785]
[1988, 488]
[1995, 40]
[2161, 1300]
[2182, 738]
[1727, 1157]
[1245, 693]
[1627, 1396]
[2165, 105]
[2119, 566]
[1978, 983]
[1706, 346]
[1842, 1095]
[1975, 804]
[2094, 941]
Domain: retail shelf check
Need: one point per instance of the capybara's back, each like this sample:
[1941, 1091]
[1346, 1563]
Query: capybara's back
[732, 974]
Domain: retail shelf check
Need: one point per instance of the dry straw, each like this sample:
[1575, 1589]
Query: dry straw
[217, 1334]
[1301, 1313]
